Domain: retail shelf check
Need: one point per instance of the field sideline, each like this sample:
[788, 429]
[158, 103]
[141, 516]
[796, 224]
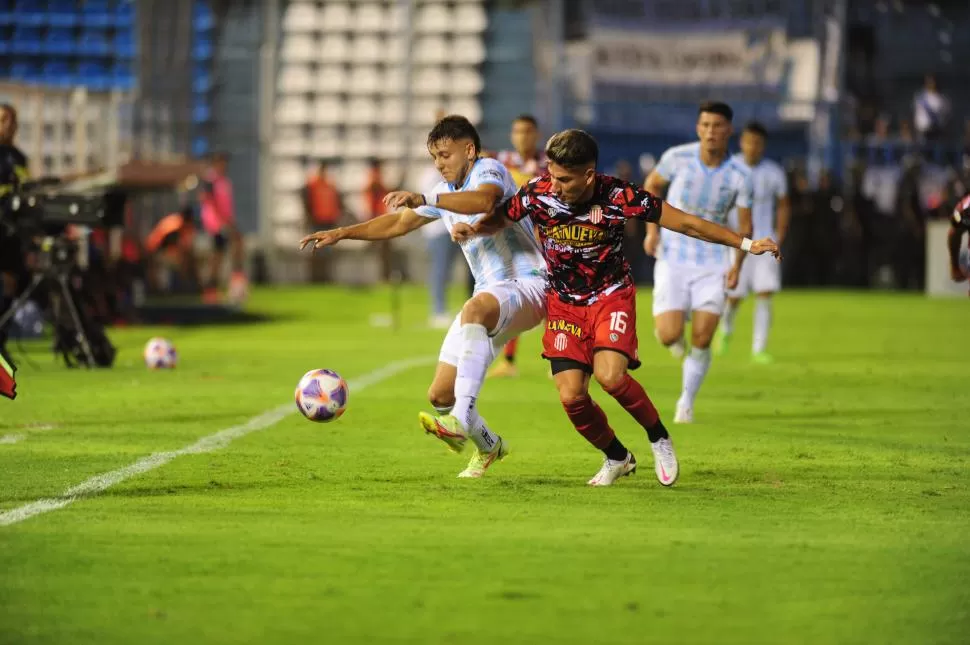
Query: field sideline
[824, 499]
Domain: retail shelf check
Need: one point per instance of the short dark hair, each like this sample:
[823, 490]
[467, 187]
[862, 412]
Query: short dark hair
[572, 149]
[456, 128]
[8, 107]
[527, 118]
[756, 127]
[716, 107]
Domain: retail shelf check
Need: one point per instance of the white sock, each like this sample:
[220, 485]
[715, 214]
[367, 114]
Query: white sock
[695, 369]
[476, 350]
[484, 438]
[727, 320]
[762, 323]
[442, 411]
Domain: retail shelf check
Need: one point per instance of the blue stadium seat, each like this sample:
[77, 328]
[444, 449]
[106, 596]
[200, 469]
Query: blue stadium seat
[94, 43]
[6, 17]
[57, 73]
[200, 147]
[26, 71]
[124, 45]
[94, 74]
[26, 40]
[201, 113]
[62, 13]
[96, 13]
[202, 18]
[29, 13]
[124, 16]
[202, 50]
[122, 77]
[60, 40]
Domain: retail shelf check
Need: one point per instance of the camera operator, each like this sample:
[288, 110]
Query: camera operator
[13, 172]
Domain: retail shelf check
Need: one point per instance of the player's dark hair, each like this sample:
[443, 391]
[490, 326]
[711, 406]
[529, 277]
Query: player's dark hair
[716, 107]
[572, 149]
[527, 118]
[755, 127]
[8, 107]
[454, 127]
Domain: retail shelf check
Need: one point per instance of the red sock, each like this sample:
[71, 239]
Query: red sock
[631, 395]
[590, 421]
[510, 348]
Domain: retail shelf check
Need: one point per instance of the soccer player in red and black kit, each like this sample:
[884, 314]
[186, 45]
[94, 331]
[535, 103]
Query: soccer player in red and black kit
[591, 302]
[959, 224]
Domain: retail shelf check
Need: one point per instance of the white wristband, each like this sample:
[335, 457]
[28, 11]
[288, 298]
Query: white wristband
[430, 199]
[746, 245]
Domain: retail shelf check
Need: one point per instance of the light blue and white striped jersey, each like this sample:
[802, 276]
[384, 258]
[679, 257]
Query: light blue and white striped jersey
[511, 253]
[706, 192]
[770, 185]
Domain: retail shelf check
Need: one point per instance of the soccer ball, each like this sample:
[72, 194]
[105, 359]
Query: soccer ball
[321, 395]
[160, 354]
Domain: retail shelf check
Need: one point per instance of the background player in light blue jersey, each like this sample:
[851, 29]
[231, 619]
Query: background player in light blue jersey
[691, 275]
[510, 282]
[769, 217]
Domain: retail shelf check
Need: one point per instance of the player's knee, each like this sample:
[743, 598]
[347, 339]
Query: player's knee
[669, 335]
[610, 378]
[570, 393]
[441, 397]
[701, 339]
[474, 312]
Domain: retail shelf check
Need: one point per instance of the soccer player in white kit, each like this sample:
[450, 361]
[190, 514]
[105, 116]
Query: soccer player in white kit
[770, 216]
[691, 275]
[510, 283]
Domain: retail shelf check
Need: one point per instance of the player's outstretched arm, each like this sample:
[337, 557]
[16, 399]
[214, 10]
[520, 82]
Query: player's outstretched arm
[489, 224]
[953, 239]
[677, 220]
[468, 202]
[657, 185]
[384, 227]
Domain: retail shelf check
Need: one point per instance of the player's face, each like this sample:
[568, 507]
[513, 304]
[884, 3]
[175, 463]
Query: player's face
[714, 131]
[572, 185]
[452, 158]
[525, 137]
[8, 126]
[752, 147]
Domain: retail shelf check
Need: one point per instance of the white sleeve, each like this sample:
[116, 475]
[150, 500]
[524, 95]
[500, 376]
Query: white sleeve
[781, 189]
[667, 166]
[488, 171]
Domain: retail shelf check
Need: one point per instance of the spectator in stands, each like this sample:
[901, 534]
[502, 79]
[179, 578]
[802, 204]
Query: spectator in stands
[322, 210]
[374, 193]
[931, 110]
[219, 221]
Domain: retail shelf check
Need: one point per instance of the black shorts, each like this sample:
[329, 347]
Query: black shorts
[11, 255]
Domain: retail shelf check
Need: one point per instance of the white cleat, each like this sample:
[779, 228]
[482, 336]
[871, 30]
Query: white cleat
[613, 470]
[665, 461]
[481, 460]
[684, 414]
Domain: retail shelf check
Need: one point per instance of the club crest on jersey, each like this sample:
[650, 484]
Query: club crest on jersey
[596, 214]
[562, 325]
[577, 235]
[561, 341]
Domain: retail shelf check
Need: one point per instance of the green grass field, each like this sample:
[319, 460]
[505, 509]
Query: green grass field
[824, 499]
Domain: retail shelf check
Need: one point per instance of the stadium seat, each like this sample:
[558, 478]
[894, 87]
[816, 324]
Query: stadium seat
[62, 13]
[392, 111]
[201, 113]
[395, 49]
[124, 45]
[470, 109]
[470, 18]
[202, 49]
[423, 111]
[27, 40]
[394, 82]
[96, 13]
[390, 144]
[395, 19]
[124, 15]
[429, 81]
[298, 48]
[359, 144]
[288, 174]
[350, 176]
[59, 41]
[325, 144]
[200, 146]
[469, 50]
[57, 73]
[364, 79]
[289, 143]
[334, 49]
[294, 79]
[123, 77]
[336, 16]
[202, 18]
[370, 18]
[362, 110]
[433, 19]
[329, 110]
[431, 50]
[331, 79]
[29, 13]
[367, 49]
[289, 209]
[292, 110]
[94, 74]
[466, 81]
[94, 42]
[299, 18]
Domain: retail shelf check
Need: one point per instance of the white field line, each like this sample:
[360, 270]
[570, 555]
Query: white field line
[220, 439]
[9, 439]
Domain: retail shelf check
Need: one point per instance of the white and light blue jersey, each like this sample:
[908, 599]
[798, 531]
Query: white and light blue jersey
[770, 186]
[511, 253]
[705, 192]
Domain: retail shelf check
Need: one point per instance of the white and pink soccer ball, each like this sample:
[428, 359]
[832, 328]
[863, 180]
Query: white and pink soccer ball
[160, 354]
[321, 395]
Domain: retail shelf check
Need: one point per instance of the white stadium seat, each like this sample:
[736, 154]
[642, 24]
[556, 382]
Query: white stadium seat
[395, 50]
[470, 109]
[392, 111]
[350, 176]
[299, 18]
[363, 80]
[390, 144]
[466, 81]
[470, 18]
[423, 112]
[335, 48]
[336, 16]
[325, 143]
[288, 206]
[287, 143]
[331, 79]
[360, 144]
[393, 82]
[429, 81]
[370, 17]
[430, 50]
[366, 49]
[292, 110]
[294, 79]
[468, 50]
[362, 110]
[395, 19]
[329, 110]
[433, 19]
[298, 48]
[287, 237]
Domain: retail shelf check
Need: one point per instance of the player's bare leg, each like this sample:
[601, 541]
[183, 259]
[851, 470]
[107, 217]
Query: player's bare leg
[610, 371]
[762, 325]
[590, 421]
[703, 326]
[505, 366]
[722, 339]
[669, 330]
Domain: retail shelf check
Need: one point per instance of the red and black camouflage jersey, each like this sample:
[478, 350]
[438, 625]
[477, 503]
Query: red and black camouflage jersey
[961, 215]
[584, 250]
[523, 170]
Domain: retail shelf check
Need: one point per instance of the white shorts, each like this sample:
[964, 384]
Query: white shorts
[522, 306]
[759, 274]
[680, 288]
